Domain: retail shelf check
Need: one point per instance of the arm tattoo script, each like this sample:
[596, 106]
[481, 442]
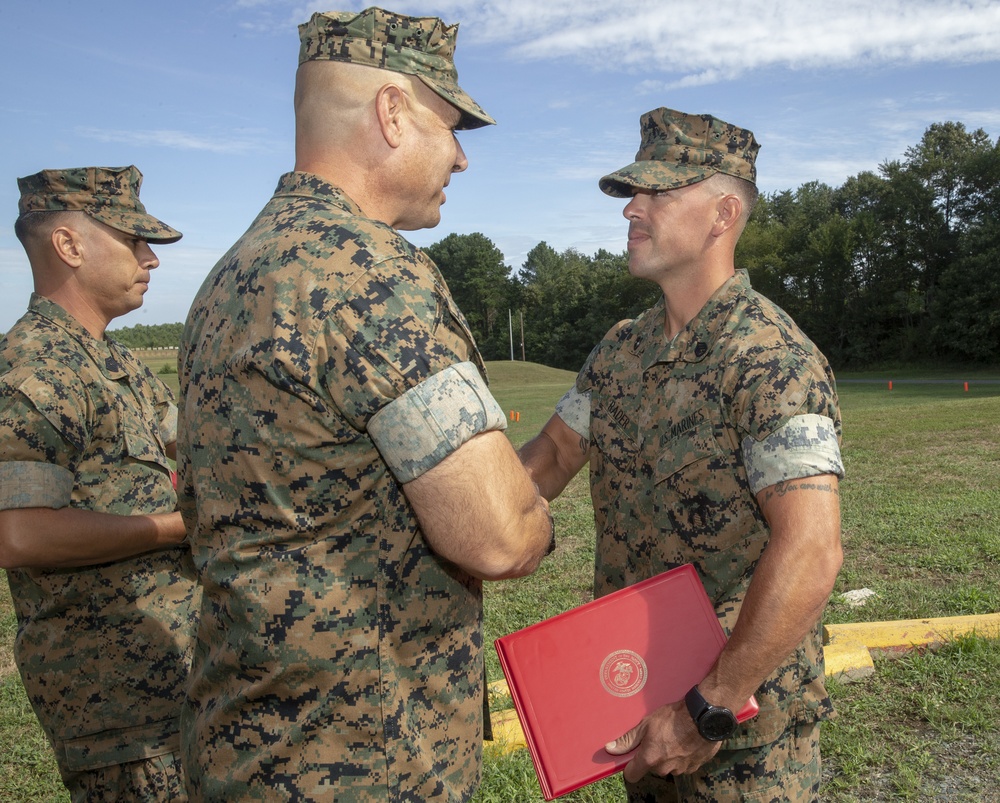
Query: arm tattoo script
[807, 484]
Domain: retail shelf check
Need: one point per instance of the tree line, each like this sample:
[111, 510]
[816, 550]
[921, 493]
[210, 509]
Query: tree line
[895, 267]
[149, 336]
[900, 266]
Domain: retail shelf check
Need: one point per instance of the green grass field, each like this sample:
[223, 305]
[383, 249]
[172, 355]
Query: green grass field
[921, 520]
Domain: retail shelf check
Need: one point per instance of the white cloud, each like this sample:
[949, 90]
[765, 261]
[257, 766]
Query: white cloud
[695, 46]
[791, 33]
[702, 46]
[178, 140]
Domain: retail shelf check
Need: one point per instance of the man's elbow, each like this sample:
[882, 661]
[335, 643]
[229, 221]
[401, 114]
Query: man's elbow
[827, 565]
[518, 556]
[508, 567]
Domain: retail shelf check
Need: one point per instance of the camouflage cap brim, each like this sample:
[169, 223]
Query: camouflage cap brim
[473, 115]
[651, 176]
[145, 226]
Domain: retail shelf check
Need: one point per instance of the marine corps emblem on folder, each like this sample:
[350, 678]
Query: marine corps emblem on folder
[623, 673]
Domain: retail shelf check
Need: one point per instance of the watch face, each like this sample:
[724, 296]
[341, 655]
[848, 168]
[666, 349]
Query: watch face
[717, 724]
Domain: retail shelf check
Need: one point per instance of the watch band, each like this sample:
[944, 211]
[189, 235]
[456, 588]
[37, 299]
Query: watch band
[714, 722]
[696, 704]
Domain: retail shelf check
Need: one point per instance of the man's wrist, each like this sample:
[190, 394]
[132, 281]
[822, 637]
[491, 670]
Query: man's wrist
[714, 722]
[552, 523]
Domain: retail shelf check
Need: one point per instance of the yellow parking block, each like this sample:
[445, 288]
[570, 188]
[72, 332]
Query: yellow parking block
[849, 648]
[507, 732]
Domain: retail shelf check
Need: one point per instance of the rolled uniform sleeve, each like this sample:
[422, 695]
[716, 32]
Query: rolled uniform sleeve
[805, 446]
[574, 409]
[38, 450]
[402, 367]
[427, 423]
[165, 406]
[27, 484]
[168, 422]
[789, 421]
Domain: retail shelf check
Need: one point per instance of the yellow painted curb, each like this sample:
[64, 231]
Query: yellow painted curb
[507, 732]
[848, 650]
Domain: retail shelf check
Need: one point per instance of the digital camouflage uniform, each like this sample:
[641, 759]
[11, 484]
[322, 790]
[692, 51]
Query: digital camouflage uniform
[684, 435]
[103, 650]
[323, 364]
[670, 423]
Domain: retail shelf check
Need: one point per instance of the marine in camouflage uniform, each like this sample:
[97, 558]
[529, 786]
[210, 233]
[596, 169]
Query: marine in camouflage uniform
[669, 480]
[325, 370]
[103, 649]
[684, 435]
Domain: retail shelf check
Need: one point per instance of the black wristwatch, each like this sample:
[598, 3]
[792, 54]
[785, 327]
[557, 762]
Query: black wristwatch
[714, 722]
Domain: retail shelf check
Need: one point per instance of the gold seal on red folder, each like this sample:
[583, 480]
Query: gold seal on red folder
[623, 673]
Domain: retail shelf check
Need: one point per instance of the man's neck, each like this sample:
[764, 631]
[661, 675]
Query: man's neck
[685, 296]
[82, 312]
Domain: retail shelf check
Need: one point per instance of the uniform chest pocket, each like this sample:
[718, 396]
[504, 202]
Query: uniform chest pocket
[142, 441]
[681, 454]
[698, 494]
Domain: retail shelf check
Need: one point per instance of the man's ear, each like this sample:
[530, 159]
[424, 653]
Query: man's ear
[68, 245]
[391, 105]
[729, 210]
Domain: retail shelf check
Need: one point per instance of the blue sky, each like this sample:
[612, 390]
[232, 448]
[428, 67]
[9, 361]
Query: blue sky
[197, 94]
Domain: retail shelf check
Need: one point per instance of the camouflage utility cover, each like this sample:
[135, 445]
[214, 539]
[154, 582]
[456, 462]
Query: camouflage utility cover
[107, 194]
[419, 46]
[338, 656]
[678, 149]
[667, 476]
[103, 650]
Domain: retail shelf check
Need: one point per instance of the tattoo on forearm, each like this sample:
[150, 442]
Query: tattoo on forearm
[786, 487]
[584, 445]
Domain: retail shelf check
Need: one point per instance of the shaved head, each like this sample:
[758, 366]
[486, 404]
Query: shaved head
[335, 102]
[746, 191]
[35, 227]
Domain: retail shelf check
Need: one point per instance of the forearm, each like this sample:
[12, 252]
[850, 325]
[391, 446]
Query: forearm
[479, 509]
[524, 535]
[790, 588]
[68, 537]
[554, 457]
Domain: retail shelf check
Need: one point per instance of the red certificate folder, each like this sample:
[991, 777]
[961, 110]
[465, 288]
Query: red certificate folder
[585, 677]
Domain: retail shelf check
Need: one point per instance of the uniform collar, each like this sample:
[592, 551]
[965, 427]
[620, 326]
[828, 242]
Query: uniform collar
[102, 352]
[694, 342]
[309, 185]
